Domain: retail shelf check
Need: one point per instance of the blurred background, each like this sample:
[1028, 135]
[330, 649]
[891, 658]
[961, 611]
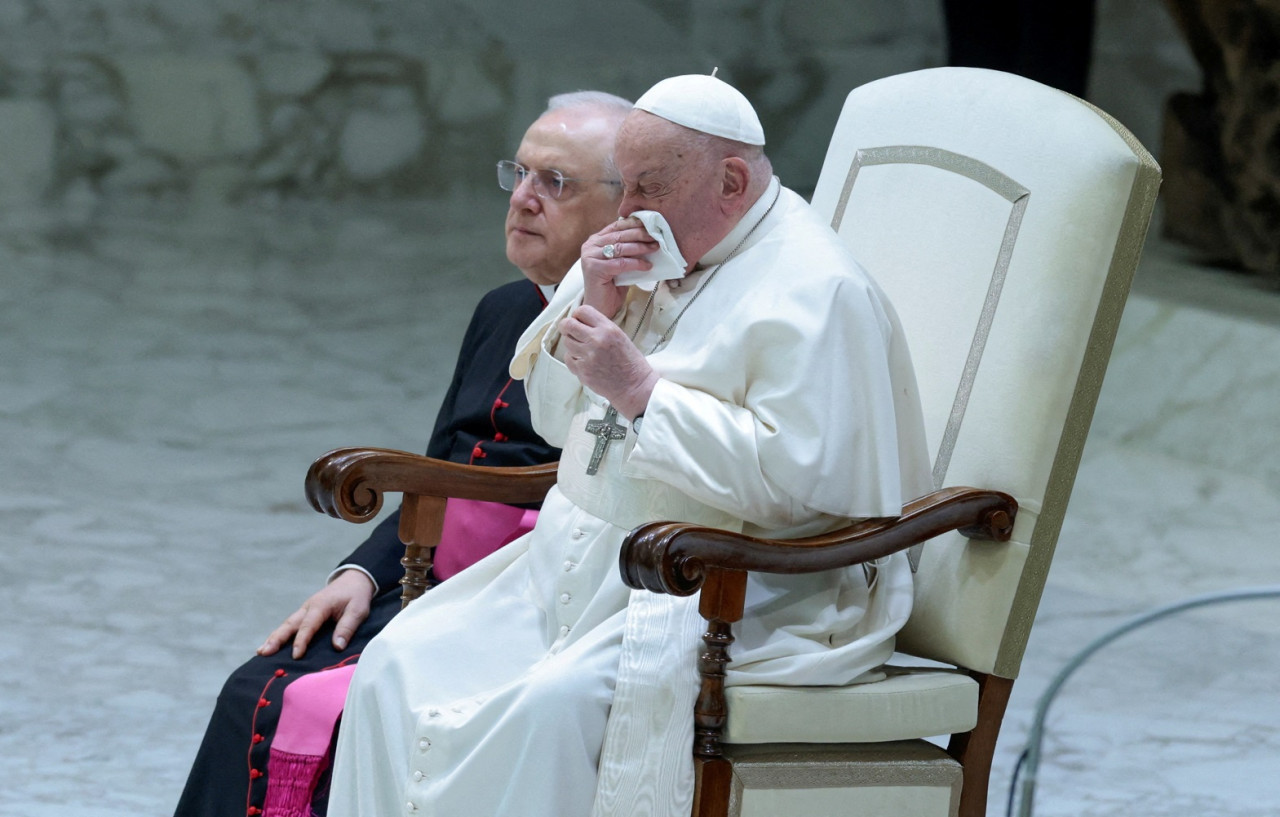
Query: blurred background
[244, 100]
[233, 101]
[237, 233]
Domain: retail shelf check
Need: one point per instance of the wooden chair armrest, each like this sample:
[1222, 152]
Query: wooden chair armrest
[348, 483]
[669, 557]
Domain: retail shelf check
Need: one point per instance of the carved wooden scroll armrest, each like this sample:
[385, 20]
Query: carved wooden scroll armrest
[349, 483]
[670, 557]
[681, 559]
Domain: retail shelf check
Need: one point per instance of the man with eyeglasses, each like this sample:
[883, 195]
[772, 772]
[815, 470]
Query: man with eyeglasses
[760, 385]
[267, 742]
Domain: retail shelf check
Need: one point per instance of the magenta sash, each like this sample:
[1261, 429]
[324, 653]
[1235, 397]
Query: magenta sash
[473, 530]
[300, 749]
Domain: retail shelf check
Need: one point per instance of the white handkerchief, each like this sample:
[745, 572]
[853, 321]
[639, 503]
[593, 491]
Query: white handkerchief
[667, 261]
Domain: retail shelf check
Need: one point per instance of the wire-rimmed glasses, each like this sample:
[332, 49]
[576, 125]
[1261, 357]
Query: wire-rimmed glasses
[547, 184]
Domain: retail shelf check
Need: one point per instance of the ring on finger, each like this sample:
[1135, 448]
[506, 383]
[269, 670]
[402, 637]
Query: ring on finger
[609, 250]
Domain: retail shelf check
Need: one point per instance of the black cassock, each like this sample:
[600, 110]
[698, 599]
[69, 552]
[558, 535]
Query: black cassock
[484, 420]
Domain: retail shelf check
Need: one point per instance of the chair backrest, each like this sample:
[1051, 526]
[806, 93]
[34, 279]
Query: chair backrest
[1005, 220]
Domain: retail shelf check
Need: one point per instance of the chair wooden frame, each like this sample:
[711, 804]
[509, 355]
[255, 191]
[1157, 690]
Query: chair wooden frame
[683, 559]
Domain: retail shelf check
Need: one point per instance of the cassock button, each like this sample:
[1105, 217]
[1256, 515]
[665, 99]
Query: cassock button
[564, 630]
[498, 436]
[568, 565]
[424, 744]
[410, 806]
[417, 776]
[433, 712]
[565, 598]
[578, 533]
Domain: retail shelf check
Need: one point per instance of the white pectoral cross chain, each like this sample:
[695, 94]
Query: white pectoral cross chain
[606, 430]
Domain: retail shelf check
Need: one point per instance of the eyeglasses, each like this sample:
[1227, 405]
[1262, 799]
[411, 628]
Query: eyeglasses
[547, 184]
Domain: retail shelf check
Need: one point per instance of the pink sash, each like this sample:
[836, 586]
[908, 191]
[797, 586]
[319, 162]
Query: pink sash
[313, 703]
[300, 749]
[473, 530]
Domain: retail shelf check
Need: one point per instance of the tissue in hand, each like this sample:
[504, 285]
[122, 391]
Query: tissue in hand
[667, 261]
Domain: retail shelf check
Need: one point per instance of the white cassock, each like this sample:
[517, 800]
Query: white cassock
[536, 683]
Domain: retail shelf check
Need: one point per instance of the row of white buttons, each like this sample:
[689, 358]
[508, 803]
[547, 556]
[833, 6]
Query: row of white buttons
[424, 746]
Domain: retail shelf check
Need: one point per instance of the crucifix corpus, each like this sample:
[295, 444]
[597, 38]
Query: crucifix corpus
[606, 430]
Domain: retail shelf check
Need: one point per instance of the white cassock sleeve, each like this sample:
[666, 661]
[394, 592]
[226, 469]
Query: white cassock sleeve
[807, 425]
[781, 404]
[553, 391]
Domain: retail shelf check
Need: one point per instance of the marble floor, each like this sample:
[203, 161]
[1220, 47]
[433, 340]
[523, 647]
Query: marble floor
[167, 374]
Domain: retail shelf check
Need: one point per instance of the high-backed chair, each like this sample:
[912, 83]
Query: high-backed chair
[1005, 221]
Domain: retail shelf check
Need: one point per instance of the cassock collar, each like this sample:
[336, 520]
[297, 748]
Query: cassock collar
[548, 291]
[720, 251]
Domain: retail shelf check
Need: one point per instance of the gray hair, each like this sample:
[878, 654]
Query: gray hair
[590, 99]
[608, 105]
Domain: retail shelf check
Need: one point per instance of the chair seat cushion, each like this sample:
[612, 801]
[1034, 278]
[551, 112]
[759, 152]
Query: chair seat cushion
[910, 702]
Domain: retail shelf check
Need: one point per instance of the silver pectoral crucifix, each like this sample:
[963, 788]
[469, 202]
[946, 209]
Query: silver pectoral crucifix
[606, 430]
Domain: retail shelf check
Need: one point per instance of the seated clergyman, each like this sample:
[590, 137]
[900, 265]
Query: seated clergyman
[563, 188]
[763, 385]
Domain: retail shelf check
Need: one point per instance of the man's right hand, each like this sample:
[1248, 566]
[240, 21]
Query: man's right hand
[345, 600]
[631, 243]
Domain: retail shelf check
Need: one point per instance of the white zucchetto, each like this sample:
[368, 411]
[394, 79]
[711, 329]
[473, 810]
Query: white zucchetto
[706, 104]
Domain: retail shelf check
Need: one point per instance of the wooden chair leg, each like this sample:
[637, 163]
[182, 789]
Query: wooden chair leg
[975, 749]
[713, 781]
[721, 603]
[421, 521]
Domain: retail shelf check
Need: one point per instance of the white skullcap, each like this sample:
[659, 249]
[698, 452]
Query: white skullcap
[706, 104]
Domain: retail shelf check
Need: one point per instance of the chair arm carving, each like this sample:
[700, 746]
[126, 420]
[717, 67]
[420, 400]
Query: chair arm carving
[674, 558]
[348, 483]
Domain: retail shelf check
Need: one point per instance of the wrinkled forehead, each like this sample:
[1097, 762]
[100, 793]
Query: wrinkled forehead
[648, 145]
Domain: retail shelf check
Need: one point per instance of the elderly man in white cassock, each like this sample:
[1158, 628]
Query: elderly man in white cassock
[716, 357]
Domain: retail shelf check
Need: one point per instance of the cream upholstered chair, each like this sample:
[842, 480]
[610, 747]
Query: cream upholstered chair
[1005, 220]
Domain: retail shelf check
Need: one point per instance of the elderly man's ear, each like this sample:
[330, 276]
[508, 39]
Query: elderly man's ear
[735, 180]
